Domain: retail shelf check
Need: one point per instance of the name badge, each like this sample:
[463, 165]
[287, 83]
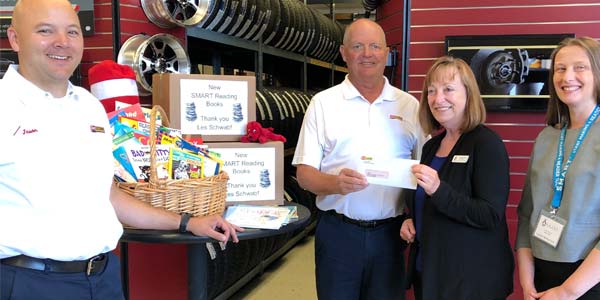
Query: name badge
[94, 128]
[461, 159]
[549, 228]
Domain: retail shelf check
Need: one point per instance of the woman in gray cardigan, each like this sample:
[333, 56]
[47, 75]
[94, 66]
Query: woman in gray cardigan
[558, 239]
[457, 224]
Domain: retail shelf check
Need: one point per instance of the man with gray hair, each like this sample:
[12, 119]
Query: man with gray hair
[358, 249]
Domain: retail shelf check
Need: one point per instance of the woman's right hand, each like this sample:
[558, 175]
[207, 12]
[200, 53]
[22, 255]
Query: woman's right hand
[407, 231]
[427, 178]
[526, 273]
[529, 293]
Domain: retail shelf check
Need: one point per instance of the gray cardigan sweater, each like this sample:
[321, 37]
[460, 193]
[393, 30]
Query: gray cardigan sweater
[580, 204]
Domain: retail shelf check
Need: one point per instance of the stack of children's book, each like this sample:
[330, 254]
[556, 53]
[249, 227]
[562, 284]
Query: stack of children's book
[176, 158]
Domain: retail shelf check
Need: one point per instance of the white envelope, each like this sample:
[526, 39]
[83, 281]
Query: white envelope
[395, 172]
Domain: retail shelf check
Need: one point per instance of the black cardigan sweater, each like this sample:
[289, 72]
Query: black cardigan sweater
[464, 239]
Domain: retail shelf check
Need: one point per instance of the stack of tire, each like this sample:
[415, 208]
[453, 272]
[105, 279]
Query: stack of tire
[285, 24]
[282, 109]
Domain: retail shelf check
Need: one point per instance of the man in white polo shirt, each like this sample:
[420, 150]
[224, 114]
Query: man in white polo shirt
[358, 250]
[60, 213]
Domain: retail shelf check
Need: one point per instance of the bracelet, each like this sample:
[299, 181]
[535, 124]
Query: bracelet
[185, 218]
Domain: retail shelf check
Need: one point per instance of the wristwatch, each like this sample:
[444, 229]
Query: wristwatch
[185, 218]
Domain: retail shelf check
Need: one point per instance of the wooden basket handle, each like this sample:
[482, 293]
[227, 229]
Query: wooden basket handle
[154, 181]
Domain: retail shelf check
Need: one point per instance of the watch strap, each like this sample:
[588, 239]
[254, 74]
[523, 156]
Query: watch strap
[185, 219]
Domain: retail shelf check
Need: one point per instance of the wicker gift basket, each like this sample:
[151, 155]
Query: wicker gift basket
[197, 196]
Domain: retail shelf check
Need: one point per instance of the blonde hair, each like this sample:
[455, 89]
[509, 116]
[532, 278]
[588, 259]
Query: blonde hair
[474, 107]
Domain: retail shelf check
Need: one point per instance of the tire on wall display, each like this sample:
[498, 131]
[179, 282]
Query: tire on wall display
[297, 26]
[285, 28]
[221, 15]
[276, 111]
[326, 42]
[292, 124]
[264, 116]
[298, 104]
[327, 56]
[238, 20]
[370, 5]
[171, 13]
[317, 39]
[230, 17]
[262, 7]
[339, 38]
[213, 10]
[310, 29]
[303, 27]
[279, 112]
[160, 53]
[337, 35]
[292, 24]
[271, 14]
[287, 122]
[251, 17]
[273, 25]
[335, 41]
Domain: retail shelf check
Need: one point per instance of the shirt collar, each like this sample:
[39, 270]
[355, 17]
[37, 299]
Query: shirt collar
[28, 89]
[350, 92]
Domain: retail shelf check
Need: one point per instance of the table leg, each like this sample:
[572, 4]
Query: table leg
[197, 272]
[125, 269]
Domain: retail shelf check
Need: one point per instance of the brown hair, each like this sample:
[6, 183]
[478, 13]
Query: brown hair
[474, 108]
[558, 113]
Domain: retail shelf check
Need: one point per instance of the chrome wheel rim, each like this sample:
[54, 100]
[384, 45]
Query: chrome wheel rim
[171, 13]
[160, 53]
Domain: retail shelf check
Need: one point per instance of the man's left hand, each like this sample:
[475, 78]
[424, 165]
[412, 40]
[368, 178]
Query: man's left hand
[208, 225]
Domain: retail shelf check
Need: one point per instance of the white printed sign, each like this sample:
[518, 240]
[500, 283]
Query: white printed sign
[251, 173]
[213, 107]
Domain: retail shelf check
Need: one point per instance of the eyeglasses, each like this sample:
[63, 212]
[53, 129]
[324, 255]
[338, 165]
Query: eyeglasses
[359, 47]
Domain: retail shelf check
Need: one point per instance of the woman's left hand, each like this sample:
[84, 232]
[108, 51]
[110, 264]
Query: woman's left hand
[427, 178]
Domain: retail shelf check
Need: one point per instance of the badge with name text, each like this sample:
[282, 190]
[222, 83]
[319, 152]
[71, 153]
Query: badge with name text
[460, 159]
[94, 128]
[549, 228]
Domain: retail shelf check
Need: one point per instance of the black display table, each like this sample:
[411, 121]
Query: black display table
[197, 269]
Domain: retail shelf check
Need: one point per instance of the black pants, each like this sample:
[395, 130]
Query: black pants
[358, 263]
[418, 287]
[549, 274]
[24, 284]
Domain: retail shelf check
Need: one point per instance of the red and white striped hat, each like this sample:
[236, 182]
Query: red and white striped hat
[111, 82]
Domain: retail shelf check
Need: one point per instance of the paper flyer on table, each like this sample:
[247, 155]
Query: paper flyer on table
[258, 216]
[395, 172]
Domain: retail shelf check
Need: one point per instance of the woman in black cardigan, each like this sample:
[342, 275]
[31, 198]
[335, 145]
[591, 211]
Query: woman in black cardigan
[457, 225]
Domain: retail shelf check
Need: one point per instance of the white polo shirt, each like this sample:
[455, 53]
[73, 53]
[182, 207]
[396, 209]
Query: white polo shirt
[55, 173]
[340, 126]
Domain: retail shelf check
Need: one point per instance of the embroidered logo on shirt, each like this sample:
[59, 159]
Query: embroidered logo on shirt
[95, 128]
[396, 117]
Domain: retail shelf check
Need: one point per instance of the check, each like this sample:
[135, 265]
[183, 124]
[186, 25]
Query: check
[395, 172]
